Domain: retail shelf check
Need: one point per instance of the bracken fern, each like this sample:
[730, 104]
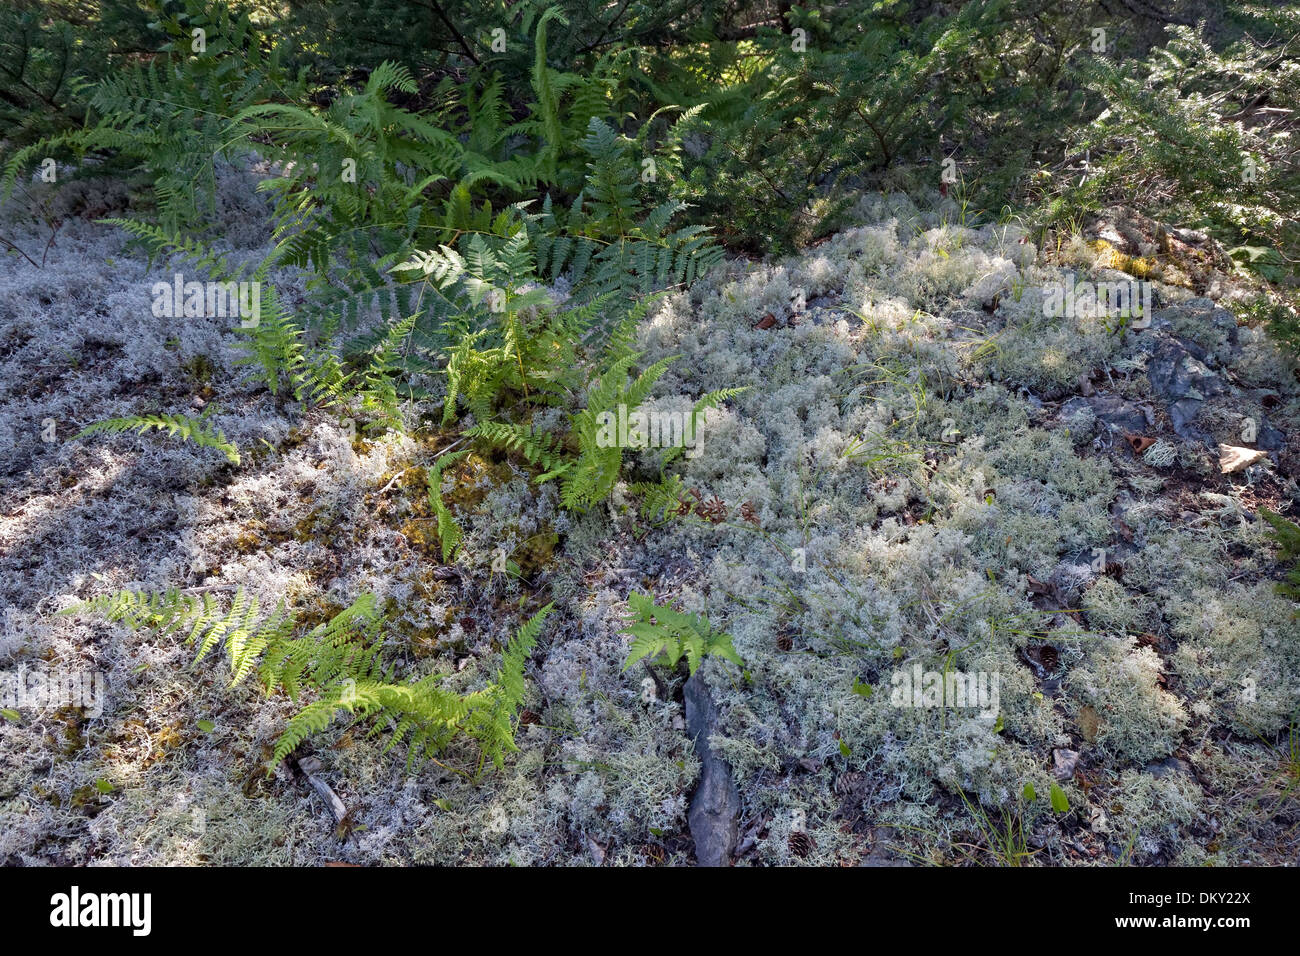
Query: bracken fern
[341, 661]
[197, 430]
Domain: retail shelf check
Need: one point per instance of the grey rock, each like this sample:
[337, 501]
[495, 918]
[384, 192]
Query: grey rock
[1175, 374]
[1064, 763]
[1124, 503]
[1161, 322]
[1077, 416]
[1270, 438]
[1195, 350]
[1226, 323]
[1069, 578]
[1119, 414]
[968, 318]
[1183, 414]
[716, 801]
[1216, 327]
[881, 854]
[1162, 768]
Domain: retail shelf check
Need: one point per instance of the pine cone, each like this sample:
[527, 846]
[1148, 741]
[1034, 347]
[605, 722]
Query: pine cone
[801, 844]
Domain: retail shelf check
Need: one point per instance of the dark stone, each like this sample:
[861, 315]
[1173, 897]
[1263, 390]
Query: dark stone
[1064, 763]
[1167, 766]
[1118, 413]
[1195, 350]
[1175, 374]
[1226, 323]
[1270, 439]
[1183, 414]
[1225, 343]
[716, 801]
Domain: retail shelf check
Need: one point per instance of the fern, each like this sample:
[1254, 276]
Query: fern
[473, 376]
[341, 661]
[539, 448]
[422, 715]
[207, 624]
[344, 648]
[592, 476]
[519, 343]
[276, 345]
[585, 462]
[617, 243]
[492, 724]
[197, 430]
[169, 115]
[547, 107]
[660, 500]
[378, 388]
[448, 532]
[161, 241]
[363, 182]
[668, 636]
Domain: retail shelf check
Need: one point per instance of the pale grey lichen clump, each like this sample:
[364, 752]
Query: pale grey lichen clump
[921, 497]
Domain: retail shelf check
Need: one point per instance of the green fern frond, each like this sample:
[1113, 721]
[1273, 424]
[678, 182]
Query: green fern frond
[339, 660]
[276, 345]
[493, 723]
[709, 400]
[448, 532]
[538, 448]
[165, 241]
[378, 389]
[548, 105]
[663, 634]
[659, 499]
[197, 430]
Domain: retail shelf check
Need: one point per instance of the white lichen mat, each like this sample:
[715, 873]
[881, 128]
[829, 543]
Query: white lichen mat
[929, 473]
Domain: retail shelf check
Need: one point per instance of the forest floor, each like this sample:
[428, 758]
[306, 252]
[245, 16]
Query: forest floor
[928, 474]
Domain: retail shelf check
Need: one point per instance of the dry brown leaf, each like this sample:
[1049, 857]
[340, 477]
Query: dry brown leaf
[1089, 723]
[1139, 443]
[1037, 586]
[1232, 458]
